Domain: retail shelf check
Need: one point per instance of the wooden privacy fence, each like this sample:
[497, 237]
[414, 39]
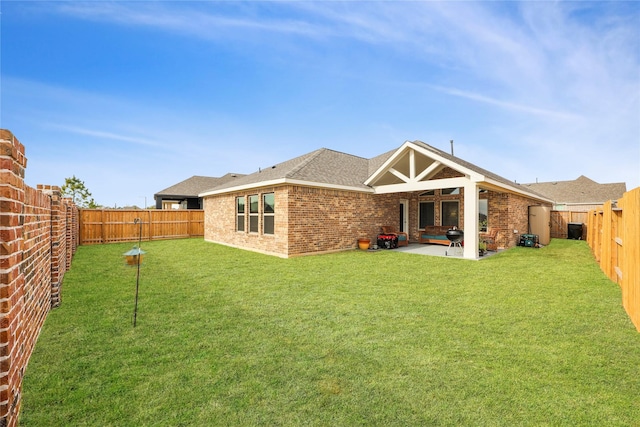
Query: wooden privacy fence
[614, 237]
[560, 221]
[117, 225]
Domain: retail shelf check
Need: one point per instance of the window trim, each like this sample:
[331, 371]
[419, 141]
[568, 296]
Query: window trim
[266, 214]
[242, 214]
[254, 215]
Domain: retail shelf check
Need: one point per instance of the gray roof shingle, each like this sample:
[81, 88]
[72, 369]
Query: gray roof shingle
[329, 167]
[488, 174]
[580, 190]
[195, 185]
[323, 166]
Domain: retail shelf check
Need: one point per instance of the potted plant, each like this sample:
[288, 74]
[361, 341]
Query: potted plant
[364, 243]
[482, 247]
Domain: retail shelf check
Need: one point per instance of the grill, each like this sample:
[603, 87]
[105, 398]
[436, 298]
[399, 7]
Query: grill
[455, 237]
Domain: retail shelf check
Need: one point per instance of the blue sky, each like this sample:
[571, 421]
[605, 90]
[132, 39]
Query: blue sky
[133, 97]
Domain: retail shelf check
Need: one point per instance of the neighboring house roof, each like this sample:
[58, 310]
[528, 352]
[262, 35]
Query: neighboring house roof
[333, 169]
[579, 191]
[193, 186]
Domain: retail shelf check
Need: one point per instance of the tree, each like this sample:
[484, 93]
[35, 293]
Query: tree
[75, 188]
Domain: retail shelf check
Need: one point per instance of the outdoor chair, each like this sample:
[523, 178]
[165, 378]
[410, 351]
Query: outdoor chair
[403, 238]
[490, 238]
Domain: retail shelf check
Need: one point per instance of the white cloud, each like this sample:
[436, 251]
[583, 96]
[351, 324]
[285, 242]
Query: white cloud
[208, 20]
[508, 105]
[557, 81]
[106, 135]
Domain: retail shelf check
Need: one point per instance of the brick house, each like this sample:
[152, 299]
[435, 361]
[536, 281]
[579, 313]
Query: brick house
[184, 195]
[325, 200]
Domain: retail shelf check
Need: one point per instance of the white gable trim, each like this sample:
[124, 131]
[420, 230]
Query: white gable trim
[414, 182]
[283, 181]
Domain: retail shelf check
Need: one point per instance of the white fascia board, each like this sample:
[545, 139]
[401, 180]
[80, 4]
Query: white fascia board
[516, 190]
[243, 187]
[283, 181]
[326, 185]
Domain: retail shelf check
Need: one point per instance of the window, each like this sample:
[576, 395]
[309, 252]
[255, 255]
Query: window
[449, 213]
[240, 205]
[483, 214]
[450, 191]
[427, 216]
[253, 213]
[268, 214]
[428, 193]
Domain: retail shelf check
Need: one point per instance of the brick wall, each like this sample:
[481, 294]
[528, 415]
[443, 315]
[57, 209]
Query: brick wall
[38, 236]
[308, 220]
[509, 212]
[313, 220]
[325, 220]
[220, 222]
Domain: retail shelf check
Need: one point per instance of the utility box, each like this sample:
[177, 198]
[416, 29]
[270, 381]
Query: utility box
[574, 230]
[540, 223]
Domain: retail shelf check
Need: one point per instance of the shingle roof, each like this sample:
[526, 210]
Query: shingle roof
[488, 174]
[376, 162]
[329, 167]
[193, 186]
[580, 190]
[321, 166]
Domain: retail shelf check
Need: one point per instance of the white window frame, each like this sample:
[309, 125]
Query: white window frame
[270, 215]
[254, 216]
[241, 216]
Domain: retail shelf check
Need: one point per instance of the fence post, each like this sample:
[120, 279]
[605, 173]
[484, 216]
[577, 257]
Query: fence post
[150, 234]
[630, 267]
[103, 238]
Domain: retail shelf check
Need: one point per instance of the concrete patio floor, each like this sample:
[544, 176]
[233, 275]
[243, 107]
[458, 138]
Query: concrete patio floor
[435, 250]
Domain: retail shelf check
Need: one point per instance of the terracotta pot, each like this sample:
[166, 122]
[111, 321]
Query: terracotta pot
[364, 244]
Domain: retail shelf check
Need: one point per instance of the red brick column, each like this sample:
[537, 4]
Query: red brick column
[58, 240]
[12, 196]
[72, 228]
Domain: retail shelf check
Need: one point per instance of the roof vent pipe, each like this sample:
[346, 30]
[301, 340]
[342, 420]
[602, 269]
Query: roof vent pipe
[452, 147]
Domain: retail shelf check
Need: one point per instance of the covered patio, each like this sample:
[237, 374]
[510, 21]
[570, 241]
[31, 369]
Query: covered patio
[438, 250]
[417, 171]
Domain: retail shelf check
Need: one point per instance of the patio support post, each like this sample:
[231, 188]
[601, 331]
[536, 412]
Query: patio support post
[471, 209]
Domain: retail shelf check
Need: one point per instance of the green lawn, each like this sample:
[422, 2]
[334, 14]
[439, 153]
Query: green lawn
[234, 338]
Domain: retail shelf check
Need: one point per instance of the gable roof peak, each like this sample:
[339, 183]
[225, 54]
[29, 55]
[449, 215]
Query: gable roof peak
[583, 178]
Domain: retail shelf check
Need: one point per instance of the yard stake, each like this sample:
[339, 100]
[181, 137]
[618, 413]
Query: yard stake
[135, 310]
